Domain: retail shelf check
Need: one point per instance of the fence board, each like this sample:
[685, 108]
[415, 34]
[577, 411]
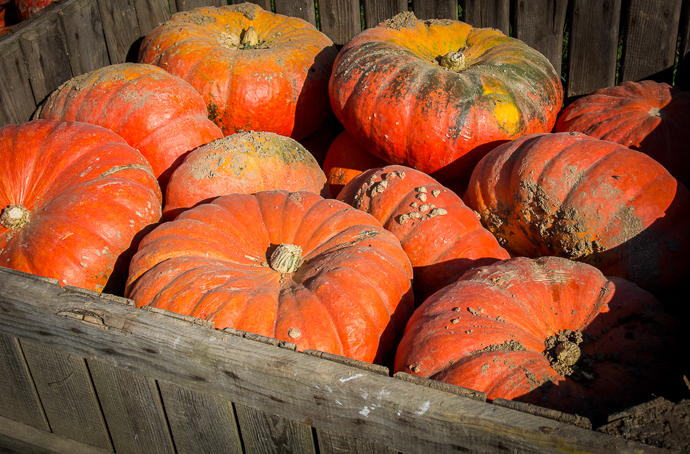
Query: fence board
[66, 392]
[304, 9]
[332, 443]
[377, 11]
[120, 27]
[435, 9]
[187, 5]
[200, 422]
[264, 433]
[487, 14]
[17, 101]
[650, 34]
[591, 67]
[340, 20]
[81, 23]
[683, 75]
[151, 13]
[539, 23]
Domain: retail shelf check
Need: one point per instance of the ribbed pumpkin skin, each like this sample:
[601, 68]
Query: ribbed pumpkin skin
[590, 200]
[157, 113]
[281, 87]
[27, 8]
[89, 194]
[647, 116]
[351, 296]
[441, 236]
[243, 163]
[390, 93]
[487, 332]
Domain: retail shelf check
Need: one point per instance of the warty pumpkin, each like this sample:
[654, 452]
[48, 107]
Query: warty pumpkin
[27, 8]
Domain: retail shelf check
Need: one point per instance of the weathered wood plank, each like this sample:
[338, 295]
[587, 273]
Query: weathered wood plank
[265, 4]
[133, 410]
[264, 433]
[67, 394]
[683, 74]
[377, 11]
[17, 391]
[539, 23]
[200, 422]
[17, 101]
[18, 438]
[121, 28]
[340, 20]
[304, 9]
[435, 9]
[81, 23]
[332, 443]
[650, 34]
[323, 394]
[188, 5]
[487, 14]
[151, 13]
[591, 67]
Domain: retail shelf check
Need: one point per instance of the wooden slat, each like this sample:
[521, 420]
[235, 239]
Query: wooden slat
[17, 101]
[377, 11]
[435, 9]
[188, 5]
[683, 74]
[81, 22]
[120, 27]
[591, 67]
[304, 9]
[323, 394]
[265, 4]
[151, 13]
[264, 433]
[539, 23]
[340, 20]
[487, 14]
[67, 394]
[133, 410]
[199, 422]
[17, 391]
[332, 443]
[650, 34]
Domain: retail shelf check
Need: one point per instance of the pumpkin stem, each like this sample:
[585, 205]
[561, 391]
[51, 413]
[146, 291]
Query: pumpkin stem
[286, 258]
[250, 37]
[455, 60]
[14, 217]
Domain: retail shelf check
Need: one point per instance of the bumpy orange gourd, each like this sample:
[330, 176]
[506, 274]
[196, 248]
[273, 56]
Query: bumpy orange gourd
[27, 8]
[291, 266]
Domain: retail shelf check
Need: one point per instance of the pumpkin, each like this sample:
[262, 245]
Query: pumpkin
[572, 196]
[75, 199]
[441, 236]
[157, 113]
[291, 266]
[255, 70]
[243, 163]
[318, 142]
[346, 159]
[547, 331]
[647, 116]
[438, 94]
[27, 8]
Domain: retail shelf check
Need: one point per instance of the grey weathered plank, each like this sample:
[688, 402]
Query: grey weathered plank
[324, 394]
[264, 433]
[265, 4]
[187, 5]
[377, 11]
[539, 23]
[200, 422]
[683, 74]
[17, 391]
[340, 20]
[304, 9]
[435, 9]
[81, 23]
[151, 13]
[172, 4]
[591, 67]
[120, 26]
[67, 394]
[17, 101]
[332, 443]
[133, 410]
[487, 14]
[650, 34]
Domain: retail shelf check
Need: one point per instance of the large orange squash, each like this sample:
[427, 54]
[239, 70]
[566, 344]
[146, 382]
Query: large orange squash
[436, 95]
[291, 266]
[257, 71]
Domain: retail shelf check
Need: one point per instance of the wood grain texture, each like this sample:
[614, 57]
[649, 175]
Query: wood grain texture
[264, 433]
[17, 391]
[683, 74]
[340, 20]
[304, 9]
[200, 422]
[66, 392]
[435, 9]
[650, 34]
[81, 23]
[151, 13]
[323, 394]
[133, 410]
[188, 5]
[333, 443]
[120, 26]
[487, 14]
[591, 67]
[377, 11]
[17, 101]
[539, 23]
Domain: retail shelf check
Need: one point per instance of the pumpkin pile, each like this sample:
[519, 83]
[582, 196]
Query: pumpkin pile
[456, 228]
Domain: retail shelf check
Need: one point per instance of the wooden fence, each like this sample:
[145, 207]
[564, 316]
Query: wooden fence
[606, 41]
